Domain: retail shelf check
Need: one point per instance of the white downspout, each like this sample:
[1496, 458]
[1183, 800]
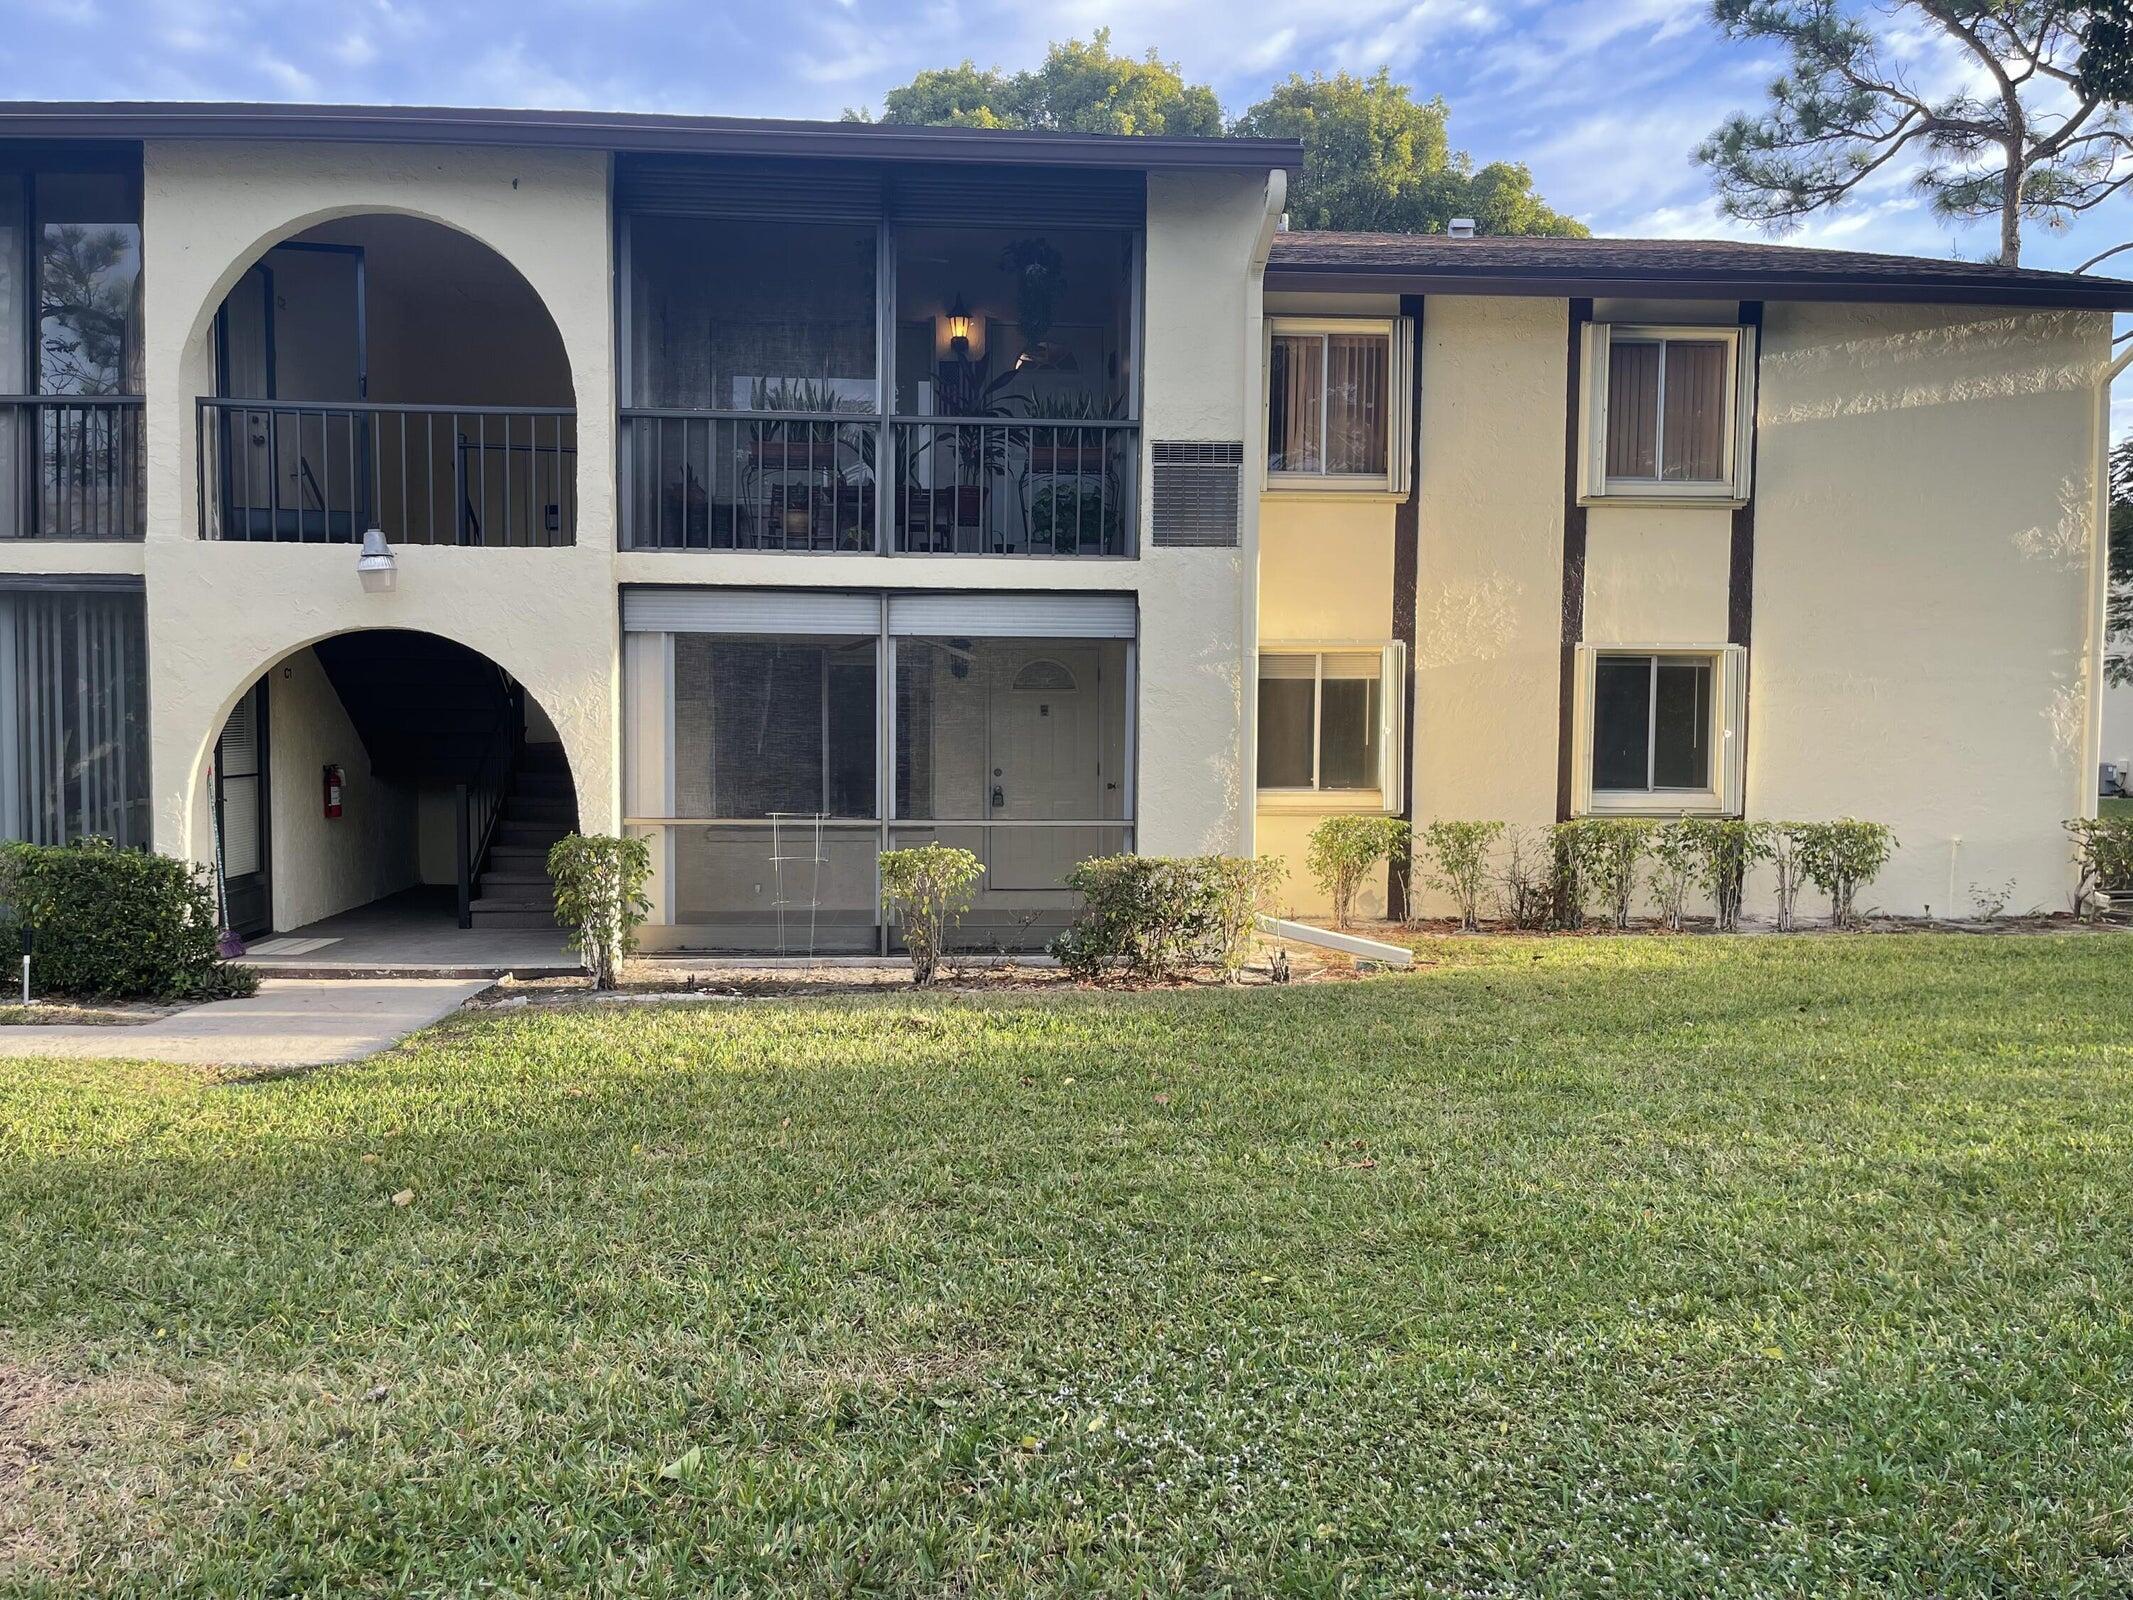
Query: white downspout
[1252, 484]
[2099, 588]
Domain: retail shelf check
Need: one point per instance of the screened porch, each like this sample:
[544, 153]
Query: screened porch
[776, 742]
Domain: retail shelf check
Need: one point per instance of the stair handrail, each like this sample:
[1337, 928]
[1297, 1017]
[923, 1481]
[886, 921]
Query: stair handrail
[480, 806]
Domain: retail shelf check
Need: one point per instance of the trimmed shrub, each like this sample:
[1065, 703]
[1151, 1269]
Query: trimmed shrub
[2103, 853]
[1162, 916]
[1786, 858]
[112, 924]
[1724, 849]
[1525, 893]
[1459, 855]
[1676, 855]
[928, 888]
[1344, 849]
[1840, 858]
[599, 897]
[1597, 857]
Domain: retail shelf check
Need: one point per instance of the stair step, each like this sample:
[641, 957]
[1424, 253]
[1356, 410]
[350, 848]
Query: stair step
[539, 835]
[519, 858]
[519, 808]
[518, 885]
[546, 785]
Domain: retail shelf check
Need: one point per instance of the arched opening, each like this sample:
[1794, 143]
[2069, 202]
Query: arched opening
[379, 793]
[387, 372]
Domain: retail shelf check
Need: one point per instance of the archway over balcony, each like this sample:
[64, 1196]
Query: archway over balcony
[385, 371]
[385, 798]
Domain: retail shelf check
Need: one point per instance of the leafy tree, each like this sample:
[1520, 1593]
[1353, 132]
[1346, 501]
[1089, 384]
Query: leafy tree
[2118, 613]
[2023, 137]
[1079, 88]
[1376, 161]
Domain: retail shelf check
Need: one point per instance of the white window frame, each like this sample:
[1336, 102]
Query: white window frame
[1729, 703]
[1732, 486]
[1399, 425]
[1392, 709]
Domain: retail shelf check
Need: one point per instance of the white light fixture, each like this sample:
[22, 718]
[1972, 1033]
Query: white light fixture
[375, 566]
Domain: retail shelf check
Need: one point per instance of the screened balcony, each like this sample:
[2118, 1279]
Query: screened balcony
[386, 372]
[70, 349]
[887, 382]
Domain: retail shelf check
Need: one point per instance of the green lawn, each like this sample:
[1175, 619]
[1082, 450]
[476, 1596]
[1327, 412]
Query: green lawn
[2116, 805]
[1650, 1266]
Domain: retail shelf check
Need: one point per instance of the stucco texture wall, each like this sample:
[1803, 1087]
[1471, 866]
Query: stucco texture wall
[1488, 622]
[221, 614]
[1325, 577]
[1925, 507]
[1201, 380]
[323, 864]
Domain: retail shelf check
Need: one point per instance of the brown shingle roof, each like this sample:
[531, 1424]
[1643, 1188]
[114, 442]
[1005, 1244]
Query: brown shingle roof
[1434, 263]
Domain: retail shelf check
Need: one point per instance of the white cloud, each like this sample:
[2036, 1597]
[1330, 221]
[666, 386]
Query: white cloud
[286, 76]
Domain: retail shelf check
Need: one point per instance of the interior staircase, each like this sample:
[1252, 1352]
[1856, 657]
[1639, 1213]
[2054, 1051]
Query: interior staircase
[437, 715]
[512, 888]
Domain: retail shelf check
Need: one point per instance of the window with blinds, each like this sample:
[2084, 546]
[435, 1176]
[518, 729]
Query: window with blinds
[1335, 403]
[73, 716]
[1668, 412]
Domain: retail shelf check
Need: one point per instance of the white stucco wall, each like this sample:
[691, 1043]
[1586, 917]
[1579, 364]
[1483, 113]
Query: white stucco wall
[220, 614]
[320, 864]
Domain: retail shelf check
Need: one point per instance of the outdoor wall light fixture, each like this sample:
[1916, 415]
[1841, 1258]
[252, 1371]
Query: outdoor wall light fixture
[375, 565]
[959, 326]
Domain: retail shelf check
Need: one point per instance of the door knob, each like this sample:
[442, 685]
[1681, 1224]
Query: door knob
[999, 795]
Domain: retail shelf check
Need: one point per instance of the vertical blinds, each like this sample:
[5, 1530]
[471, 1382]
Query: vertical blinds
[73, 716]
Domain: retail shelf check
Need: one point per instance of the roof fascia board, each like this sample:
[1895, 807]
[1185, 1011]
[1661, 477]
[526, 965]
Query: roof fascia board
[1311, 279]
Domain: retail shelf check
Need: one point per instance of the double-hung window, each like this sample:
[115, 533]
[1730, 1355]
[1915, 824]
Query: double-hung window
[1336, 404]
[1658, 729]
[1668, 412]
[1329, 724]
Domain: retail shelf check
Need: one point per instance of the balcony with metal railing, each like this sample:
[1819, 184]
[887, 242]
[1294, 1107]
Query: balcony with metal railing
[70, 467]
[294, 472]
[332, 351]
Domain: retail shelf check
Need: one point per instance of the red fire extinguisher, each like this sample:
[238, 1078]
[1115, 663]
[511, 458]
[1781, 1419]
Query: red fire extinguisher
[333, 791]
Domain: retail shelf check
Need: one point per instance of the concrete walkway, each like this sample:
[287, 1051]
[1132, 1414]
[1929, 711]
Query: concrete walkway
[289, 1023]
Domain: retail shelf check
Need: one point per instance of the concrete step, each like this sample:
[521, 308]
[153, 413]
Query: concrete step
[524, 858]
[518, 886]
[540, 835]
[541, 785]
[521, 808]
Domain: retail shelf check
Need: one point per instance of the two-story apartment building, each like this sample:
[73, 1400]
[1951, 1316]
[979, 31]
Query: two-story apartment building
[385, 490]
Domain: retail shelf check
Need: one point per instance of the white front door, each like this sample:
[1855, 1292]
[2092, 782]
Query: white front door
[1046, 744]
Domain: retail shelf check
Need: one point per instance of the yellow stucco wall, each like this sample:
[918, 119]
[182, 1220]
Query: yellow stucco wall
[1925, 507]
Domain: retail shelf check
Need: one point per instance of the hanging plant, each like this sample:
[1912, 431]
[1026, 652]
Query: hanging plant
[1040, 277]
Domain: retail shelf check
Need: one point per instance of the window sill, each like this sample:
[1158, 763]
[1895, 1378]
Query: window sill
[1716, 500]
[1324, 802]
[1638, 803]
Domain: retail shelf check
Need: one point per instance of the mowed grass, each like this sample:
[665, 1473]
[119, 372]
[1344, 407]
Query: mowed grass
[1647, 1266]
[2115, 805]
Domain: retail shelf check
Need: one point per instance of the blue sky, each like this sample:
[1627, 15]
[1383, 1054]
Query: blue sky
[1604, 99]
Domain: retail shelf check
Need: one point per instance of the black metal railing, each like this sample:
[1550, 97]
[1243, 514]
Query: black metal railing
[301, 472]
[478, 802]
[695, 480]
[70, 467]
[979, 486]
[698, 480]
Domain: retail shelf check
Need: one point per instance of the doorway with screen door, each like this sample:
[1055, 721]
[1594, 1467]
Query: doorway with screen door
[241, 813]
[1045, 744]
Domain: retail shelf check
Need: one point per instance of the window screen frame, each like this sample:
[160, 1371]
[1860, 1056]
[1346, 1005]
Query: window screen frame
[1737, 421]
[1390, 658]
[1398, 332]
[1729, 687]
